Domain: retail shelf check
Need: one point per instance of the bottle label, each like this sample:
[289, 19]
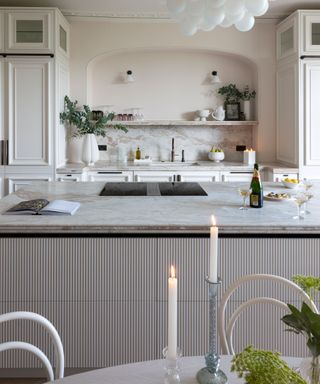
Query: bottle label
[255, 200]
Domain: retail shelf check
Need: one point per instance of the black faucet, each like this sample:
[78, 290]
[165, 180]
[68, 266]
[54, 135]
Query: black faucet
[182, 156]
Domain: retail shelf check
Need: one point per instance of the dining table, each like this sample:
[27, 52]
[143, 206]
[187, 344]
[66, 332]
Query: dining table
[152, 372]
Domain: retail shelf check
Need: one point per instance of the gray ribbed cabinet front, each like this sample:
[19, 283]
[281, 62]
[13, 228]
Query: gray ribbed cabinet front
[107, 296]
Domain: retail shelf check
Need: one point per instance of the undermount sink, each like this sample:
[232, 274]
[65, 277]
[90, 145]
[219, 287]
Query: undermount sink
[153, 189]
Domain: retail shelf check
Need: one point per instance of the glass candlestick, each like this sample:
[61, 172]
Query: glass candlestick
[212, 374]
[172, 367]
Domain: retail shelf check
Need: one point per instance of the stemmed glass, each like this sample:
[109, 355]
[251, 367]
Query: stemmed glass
[244, 193]
[307, 186]
[299, 199]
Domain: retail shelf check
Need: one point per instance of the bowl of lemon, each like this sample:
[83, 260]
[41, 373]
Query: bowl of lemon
[291, 183]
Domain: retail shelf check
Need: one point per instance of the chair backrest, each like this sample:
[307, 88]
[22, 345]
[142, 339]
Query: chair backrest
[225, 329]
[58, 347]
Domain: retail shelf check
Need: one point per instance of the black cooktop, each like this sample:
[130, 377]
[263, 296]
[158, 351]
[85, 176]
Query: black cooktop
[153, 189]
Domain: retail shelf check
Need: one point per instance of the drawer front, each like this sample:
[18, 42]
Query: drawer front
[111, 176]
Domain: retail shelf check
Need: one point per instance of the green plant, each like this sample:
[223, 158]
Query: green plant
[310, 284]
[230, 92]
[257, 366]
[247, 95]
[307, 323]
[82, 120]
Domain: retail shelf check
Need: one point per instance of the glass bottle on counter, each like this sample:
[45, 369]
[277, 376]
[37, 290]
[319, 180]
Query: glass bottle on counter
[256, 197]
[138, 154]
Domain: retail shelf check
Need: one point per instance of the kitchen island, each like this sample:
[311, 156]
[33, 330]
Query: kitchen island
[101, 275]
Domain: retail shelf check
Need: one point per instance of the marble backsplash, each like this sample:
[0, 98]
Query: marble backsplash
[156, 142]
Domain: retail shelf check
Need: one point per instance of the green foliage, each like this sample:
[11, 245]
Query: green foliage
[257, 366]
[230, 92]
[310, 284]
[247, 95]
[307, 323]
[82, 120]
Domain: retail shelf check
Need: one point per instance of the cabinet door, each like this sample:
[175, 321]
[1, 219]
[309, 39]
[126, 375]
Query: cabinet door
[287, 38]
[1, 31]
[69, 177]
[311, 34]
[30, 111]
[312, 112]
[15, 182]
[153, 176]
[2, 99]
[62, 35]
[288, 113]
[29, 31]
[236, 176]
[111, 176]
[204, 177]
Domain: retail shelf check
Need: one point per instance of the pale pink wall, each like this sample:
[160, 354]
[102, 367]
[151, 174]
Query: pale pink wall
[170, 84]
[90, 39]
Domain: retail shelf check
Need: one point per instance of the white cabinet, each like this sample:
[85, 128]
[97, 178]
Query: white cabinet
[30, 111]
[70, 177]
[287, 38]
[236, 176]
[1, 31]
[2, 100]
[110, 176]
[199, 177]
[29, 30]
[287, 112]
[15, 182]
[311, 71]
[154, 176]
[298, 84]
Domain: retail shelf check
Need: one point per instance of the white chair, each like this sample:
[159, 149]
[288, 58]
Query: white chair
[225, 329]
[58, 347]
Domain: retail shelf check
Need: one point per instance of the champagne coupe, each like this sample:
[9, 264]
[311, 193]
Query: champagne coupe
[244, 193]
[299, 199]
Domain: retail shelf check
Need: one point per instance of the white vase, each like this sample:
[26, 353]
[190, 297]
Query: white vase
[247, 109]
[90, 150]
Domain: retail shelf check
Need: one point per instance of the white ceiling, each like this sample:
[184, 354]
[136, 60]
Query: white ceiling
[144, 8]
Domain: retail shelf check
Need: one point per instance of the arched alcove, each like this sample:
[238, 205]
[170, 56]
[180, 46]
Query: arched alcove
[169, 83]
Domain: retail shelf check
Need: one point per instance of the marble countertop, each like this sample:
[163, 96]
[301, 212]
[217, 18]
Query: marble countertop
[147, 214]
[188, 166]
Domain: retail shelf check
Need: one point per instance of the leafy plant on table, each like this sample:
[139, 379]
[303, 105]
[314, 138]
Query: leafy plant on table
[83, 121]
[307, 323]
[310, 284]
[231, 93]
[257, 366]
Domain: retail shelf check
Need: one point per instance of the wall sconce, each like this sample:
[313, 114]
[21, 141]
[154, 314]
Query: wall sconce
[215, 79]
[130, 78]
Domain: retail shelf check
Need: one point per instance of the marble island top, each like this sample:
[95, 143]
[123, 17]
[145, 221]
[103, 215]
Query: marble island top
[166, 214]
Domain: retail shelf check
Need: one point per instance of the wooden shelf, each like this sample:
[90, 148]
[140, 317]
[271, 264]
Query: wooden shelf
[183, 123]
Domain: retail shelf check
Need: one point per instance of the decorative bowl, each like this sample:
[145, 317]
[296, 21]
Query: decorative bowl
[216, 156]
[290, 185]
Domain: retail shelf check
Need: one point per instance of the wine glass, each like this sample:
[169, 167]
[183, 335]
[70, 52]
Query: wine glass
[309, 196]
[307, 184]
[300, 199]
[244, 193]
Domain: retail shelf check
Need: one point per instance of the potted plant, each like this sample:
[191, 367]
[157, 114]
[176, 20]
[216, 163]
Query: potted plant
[81, 123]
[247, 96]
[307, 323]
[232, 95]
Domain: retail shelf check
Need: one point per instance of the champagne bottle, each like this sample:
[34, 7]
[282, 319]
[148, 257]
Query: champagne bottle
[138, 154]
[256, 197]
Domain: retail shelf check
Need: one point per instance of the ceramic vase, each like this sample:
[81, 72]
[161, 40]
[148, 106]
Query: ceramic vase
[247, 110]
[90, 150]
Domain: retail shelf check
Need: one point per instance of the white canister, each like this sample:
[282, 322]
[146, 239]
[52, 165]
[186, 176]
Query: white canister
[249, 156]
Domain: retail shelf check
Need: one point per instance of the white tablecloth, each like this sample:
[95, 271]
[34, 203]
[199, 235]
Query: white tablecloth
[151, 372]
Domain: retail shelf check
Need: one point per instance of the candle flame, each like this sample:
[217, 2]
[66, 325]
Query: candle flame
[173, 272]
[213, 220]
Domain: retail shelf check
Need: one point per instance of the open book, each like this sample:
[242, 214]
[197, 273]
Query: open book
[44, 207]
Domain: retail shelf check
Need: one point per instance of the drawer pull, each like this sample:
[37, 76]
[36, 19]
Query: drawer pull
[109, 173]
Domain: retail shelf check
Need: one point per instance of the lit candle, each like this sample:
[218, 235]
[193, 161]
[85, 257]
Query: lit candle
[172, 315]
[213, 271]
[249, 156]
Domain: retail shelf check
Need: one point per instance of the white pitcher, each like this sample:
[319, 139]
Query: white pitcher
[219, 113]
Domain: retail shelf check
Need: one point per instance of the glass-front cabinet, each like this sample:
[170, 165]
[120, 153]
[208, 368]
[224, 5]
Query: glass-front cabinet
[312, 34]
[287, 39]
[30, 31]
